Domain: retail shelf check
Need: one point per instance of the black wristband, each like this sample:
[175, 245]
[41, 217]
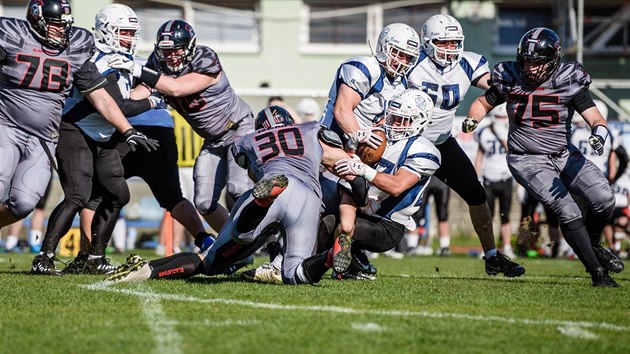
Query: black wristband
[149, 76]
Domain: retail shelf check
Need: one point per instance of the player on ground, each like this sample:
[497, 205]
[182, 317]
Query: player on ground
[284, 159]
[195, 84]
[446, 72]
[541, 94]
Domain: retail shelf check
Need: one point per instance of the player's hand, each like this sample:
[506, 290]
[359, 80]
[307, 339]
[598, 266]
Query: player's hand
[121, 62]
[597, 143]
[135, 139]
[366, 136]
[598, 138]
[354, 166]
[469, 124]
[157, 101]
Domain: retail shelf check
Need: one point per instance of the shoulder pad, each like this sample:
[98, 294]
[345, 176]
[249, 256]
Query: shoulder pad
[330, 138]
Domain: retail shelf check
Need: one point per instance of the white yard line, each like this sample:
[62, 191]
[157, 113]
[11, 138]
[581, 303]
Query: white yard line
[105, 286]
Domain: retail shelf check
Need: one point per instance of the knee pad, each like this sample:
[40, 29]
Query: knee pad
[207, 206]
[21, 207]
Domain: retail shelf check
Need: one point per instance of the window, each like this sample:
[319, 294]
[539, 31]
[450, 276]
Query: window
[511, 24]
[346, 26]
[221, 24]
[14, 8]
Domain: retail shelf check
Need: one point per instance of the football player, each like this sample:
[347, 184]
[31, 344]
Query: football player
[541, 94]
[398, 183]
[87, 153]
[284, 159]
[446, 72]
[357, 97]
[42, 57]
[491, 166]
[195, 84]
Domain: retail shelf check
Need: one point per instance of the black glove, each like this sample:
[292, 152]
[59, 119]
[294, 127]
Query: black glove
[135, 139]
[3, 56]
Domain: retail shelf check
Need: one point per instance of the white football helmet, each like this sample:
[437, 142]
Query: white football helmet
[408, 114]
[394, 40]
[442, 28]
[109, 21]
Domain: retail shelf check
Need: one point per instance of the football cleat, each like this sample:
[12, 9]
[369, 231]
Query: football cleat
[267, 190]
[601, 278]
[445, 252]
[502, 264]
[360, 269]
[77, 266]
[264, 273]
[342, 257]
[134, 269]
[44, 265]
[99, 265]
[607, 259]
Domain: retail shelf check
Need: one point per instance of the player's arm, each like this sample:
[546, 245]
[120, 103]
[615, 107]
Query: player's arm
[129, 107]
[186, 85]
[612, 165]
[483, 82]
[480, 107]
[584, 105]
[343, 111]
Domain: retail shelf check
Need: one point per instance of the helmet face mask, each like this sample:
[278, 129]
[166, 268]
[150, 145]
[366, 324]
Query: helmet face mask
[50, 21]
[443, 39]
[273, 117]
[175, 45]
[398, 48]
[538, 55]
[117, 29]
[408, 114]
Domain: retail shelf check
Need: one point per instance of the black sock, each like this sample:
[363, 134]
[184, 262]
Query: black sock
[178, 266]
[250, 217]
[595, 223]
[314, 267]
[577, 237]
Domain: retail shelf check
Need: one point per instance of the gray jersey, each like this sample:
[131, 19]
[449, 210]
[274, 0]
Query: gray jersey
[208, 112]
[540, 117]
[35, 81]
[293, 150]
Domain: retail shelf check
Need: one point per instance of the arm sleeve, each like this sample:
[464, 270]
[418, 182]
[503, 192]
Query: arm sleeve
[129, 107]
[582, 100]
[88, 79]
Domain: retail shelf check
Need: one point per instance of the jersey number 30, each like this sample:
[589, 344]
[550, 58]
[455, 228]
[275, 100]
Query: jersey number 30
[273, 142]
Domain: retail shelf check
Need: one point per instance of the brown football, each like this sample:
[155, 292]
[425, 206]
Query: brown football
[371, 156]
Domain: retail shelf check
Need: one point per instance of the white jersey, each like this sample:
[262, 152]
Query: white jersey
[94, 125]
[419, 156]
[369, 79]
[495, 167]
[447, 87]
[621, 190]
[579, 138]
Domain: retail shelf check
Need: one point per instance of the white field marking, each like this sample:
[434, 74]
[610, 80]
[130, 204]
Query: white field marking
[334, 309]
[577, 332]
[368, 327]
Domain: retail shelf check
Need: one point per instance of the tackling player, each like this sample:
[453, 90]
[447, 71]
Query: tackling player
[541, 94]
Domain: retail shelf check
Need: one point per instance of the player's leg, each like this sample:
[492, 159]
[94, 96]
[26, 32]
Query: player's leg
[11, 140]
[210, 176]
[504, 194]
[441, 197]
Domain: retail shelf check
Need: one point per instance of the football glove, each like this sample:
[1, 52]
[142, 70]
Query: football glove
[366, 136]
[354, 166]
[135, 139]
[121, 62]
[598, 138]
[469, 124]
[157, 101]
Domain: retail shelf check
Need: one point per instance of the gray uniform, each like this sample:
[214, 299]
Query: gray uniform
[34, 84]
[294, 151]
[219, 116]
[540, 156]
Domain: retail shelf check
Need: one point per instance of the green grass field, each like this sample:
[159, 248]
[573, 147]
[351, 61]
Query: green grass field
[417, 305]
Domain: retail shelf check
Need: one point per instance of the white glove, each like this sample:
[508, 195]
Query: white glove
[366, 136]
[121, 62]
[598, 138]
[157, 101]
[354, 166]
[469, 124]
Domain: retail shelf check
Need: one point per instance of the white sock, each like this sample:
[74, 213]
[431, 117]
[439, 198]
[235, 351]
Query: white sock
[412, 240]
[445, 241]
[12, 241]
[119, 234]
[35, 237]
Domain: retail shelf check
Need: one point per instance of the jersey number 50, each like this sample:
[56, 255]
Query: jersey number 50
[272, 142]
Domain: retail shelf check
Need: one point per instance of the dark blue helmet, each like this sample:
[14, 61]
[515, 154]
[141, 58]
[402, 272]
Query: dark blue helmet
[273, 116]
[538, 46]
[42, 13]
[174, 35]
